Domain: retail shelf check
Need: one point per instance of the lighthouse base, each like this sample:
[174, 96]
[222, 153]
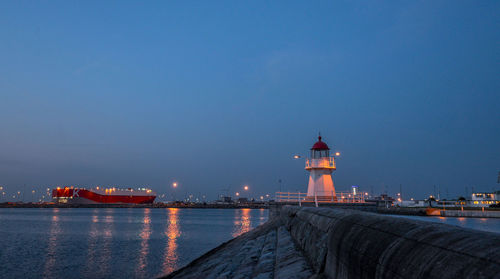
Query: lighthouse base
[321, 184]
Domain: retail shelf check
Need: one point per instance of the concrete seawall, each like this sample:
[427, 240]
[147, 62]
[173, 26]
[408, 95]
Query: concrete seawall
[470, 213]
[339, 243]
[352, 244]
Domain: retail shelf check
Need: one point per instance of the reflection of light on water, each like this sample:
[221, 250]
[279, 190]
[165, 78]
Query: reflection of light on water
[145, 234]
[106, 247]
[262, 218]
[242, 222]
[93, 235]
[129, 215]
[172, 232]
[99, 255]
[52, 245]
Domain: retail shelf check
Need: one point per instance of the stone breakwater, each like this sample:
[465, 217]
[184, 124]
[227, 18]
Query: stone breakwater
[302, 242]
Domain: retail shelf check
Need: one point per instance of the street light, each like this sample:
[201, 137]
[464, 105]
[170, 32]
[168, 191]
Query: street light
[237, 194]
[174, 185]
[337, 153]
[246, 188]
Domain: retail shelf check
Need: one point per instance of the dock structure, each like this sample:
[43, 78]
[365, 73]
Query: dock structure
[310, 242]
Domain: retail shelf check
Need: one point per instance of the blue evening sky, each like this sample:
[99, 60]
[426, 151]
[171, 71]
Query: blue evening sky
[218, 94]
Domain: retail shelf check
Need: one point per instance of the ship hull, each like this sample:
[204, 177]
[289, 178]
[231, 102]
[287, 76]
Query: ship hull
[83, 196]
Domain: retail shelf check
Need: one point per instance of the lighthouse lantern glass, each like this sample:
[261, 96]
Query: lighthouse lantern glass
[316, 154]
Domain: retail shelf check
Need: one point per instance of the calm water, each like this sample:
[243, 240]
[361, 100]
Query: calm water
[482, 224]
[129, 242]
[113, 242]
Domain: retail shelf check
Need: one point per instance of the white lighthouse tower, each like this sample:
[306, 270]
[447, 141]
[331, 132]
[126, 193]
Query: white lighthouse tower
[321, 165]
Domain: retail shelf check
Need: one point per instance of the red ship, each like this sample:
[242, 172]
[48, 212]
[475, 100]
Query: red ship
[103, 195]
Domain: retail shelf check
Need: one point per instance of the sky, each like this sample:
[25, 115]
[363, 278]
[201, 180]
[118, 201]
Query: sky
[219, 94]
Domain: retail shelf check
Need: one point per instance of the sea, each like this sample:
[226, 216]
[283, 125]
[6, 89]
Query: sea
[130, 242]
[481, 224]
[113, 242]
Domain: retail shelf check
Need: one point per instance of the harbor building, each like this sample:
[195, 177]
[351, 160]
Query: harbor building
[485, 199]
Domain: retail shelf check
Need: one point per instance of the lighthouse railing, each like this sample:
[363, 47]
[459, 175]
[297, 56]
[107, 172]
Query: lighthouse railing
[320, 197]
[324, 162]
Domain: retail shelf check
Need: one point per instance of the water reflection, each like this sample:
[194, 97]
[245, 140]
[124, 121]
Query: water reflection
[482, 224]
[92, 241]
[107, 243]
[144, 235]
[108, 238]
[172, 232]
[50, 260]
[241, 222]
[263, 217]
[99, 253]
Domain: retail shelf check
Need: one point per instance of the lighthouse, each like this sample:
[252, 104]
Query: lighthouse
[320, 165]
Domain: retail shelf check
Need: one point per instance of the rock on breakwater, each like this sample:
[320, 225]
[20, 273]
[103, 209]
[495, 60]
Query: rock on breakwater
[301, 242]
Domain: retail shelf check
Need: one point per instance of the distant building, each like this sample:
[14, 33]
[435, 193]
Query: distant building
[242, 200]
[224, 200]
[382, 200]
[383, 197]
[411, 203]
[485, 199]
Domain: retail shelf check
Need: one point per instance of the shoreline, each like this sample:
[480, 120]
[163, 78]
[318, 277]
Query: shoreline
[154, 205]
[405, 211]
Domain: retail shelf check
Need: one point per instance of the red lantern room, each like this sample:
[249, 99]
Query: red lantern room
[320, 149]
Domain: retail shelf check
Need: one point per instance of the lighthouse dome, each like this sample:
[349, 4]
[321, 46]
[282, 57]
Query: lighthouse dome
[319, 145]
